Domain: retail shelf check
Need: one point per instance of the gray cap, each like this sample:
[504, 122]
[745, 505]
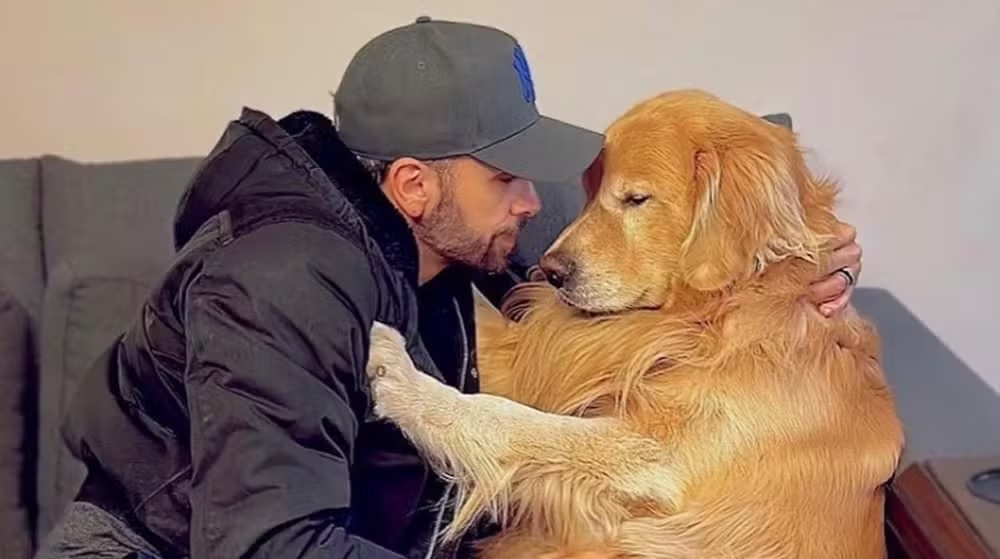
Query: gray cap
[436, 89]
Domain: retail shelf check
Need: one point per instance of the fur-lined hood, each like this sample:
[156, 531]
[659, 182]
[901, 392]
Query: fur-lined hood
[255, 148]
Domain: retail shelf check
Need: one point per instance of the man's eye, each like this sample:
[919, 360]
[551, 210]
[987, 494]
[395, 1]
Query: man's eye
[635, 199]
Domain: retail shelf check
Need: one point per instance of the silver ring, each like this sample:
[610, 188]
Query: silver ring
[848, 275]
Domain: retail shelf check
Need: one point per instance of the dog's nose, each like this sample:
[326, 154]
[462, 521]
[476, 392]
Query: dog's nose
[557, 268]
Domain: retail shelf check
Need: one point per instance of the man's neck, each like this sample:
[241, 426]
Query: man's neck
[430, 263]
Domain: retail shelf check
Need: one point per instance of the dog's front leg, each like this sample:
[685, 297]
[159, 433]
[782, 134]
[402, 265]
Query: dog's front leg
[507, 457]
[423, 408]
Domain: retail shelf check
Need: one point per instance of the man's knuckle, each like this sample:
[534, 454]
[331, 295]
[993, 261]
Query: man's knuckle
[837, 285]
[827, 290]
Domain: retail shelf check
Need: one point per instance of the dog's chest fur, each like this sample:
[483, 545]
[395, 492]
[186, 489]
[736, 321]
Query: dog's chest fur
[770, 432]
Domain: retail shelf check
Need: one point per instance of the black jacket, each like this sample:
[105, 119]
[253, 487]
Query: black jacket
[233, 418]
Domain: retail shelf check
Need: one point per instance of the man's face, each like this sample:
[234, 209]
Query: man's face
[477, 214]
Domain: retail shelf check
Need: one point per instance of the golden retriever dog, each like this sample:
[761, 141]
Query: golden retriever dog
[670, 392]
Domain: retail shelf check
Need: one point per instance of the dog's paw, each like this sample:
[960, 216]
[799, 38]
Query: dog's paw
[387, 351]
[392, 374]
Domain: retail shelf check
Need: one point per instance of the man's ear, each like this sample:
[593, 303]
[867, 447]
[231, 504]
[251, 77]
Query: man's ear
[748, 216]
[407, 183]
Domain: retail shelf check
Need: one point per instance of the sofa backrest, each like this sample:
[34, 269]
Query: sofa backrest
[80, 246]
[107, 237]
[21, 269]
[21, 281]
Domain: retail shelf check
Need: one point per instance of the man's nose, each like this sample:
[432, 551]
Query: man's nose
[558, 268]
[528, 204]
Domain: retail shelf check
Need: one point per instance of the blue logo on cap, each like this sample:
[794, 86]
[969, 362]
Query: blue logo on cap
[524, 74]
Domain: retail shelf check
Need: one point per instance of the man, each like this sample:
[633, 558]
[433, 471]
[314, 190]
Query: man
[233, 419]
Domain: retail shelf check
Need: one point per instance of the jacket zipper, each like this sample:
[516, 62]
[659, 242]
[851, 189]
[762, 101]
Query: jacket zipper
[443, 506]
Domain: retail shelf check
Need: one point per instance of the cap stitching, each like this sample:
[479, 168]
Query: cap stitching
[445, 155]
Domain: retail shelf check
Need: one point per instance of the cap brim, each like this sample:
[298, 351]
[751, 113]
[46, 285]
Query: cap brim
[547, 151]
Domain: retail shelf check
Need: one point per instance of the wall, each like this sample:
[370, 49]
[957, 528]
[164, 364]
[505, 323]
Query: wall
[898, 98]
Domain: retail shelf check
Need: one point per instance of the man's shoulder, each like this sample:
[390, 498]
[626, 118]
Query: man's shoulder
[288, 262]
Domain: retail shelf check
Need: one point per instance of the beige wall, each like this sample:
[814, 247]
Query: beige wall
[899, 98]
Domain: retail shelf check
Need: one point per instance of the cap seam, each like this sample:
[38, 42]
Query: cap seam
[469, 100]
[445, 155]
[507, 137]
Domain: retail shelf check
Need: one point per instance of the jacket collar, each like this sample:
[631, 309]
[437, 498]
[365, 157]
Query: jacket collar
[319, 139]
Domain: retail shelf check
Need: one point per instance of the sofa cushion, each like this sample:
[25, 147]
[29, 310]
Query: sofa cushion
[20, 237]
[111, 219]
[81, 317]
[16, 414]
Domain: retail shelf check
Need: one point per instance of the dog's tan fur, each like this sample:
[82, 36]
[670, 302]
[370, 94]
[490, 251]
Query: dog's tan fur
[700, 408]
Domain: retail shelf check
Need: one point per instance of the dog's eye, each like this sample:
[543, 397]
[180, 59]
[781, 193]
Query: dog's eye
[635, 199]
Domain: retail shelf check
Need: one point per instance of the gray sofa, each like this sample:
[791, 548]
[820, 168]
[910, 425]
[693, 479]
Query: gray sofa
[80, 244]
[79, 247]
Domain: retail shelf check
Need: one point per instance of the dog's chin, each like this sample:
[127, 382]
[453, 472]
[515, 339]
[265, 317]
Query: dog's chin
[598, 306]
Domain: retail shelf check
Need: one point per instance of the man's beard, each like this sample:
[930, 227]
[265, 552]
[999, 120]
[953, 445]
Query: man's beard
[445, 232]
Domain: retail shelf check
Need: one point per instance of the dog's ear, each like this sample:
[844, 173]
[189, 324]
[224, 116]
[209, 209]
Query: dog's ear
[748, 215]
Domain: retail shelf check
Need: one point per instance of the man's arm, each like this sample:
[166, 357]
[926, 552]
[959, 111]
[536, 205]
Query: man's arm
[276, 347]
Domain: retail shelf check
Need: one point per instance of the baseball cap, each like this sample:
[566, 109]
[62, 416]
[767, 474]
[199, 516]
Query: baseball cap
[435, 89]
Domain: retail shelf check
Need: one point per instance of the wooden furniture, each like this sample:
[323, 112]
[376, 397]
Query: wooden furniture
[932, 511]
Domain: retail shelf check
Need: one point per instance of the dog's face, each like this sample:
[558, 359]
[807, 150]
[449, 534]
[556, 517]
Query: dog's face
[689, 193]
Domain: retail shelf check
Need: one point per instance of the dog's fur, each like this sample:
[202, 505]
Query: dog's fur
[678, 397]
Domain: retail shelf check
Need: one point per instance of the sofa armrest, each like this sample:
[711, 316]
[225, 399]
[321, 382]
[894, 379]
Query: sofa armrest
[947, 409]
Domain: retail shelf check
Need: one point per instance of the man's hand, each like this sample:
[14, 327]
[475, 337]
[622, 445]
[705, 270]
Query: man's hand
[832, 292]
